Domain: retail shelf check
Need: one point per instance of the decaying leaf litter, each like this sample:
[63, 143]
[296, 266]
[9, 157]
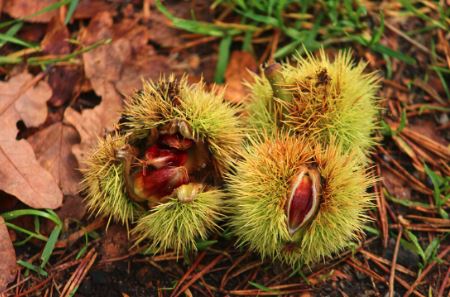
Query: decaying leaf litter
[66, 72]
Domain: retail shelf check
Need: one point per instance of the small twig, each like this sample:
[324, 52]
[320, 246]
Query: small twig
[369, 272]
[274, 46]
[79, 274]
[394, 263]
[225, 279]
[190, 270]
[257, 292]
[444, 283]
[24, 88]
[198, 275]
[398, 267]
[381, 203]
[97, 223]
[397, 278]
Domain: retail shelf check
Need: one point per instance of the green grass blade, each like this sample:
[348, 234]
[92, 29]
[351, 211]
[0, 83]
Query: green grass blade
[72, 7]
[26, 231]
[10, 215]
[262, 287]
[12, 32]
[50, 245]
[222, 61]
[394, 54]
[32, 267]
[204, 244]
[9, 60]
[4, 38]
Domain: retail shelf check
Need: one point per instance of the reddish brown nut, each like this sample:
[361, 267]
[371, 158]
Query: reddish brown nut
[304, 198]
[158, 157]
[155, 185]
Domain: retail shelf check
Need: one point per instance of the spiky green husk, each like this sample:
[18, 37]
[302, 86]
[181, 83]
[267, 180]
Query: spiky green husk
[260, 188]
[212, 120]
[104, 182]
[329, 99]
[178, 225]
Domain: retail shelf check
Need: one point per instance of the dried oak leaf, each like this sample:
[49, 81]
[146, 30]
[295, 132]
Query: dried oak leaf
[24, 8]
[85, 9]
[64, 92]
[121, 65]
[238, 72]
[29, 103]
[20, 173]
[114, 70]
[56, 42]
[56, 38]
[90, 127]
[8, 256]
[53, 149]
[103, 66]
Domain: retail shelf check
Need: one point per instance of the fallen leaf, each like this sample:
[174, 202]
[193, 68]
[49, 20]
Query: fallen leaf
[144, 68]
[161, 33]
[238, 72]
[24, 8]
[22, 176]
[89, 126]
[103, 66]
[32, 32]
[56, 38]
[20, 173]
[64, 92]
[56, 42]
[53, 149]
[30, 104]
[114, 71]
[8, 255]
[123, 64]
[73, 208]
[87, 9]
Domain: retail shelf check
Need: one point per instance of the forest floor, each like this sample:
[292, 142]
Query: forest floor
[66, 67]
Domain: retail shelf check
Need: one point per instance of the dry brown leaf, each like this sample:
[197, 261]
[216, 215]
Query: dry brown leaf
[121, 65]
[8, 256]
[103, 66]
[237, 74]
[142, 68]
[53, 149]
[64, 92]
[87, 9]
[22, 176]
[23, 8]
[114, 70]
[56, 38]
[20, 173]
[30, 104]
[72, 208]
[56, 42]
[89, 126]
[161, 33]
